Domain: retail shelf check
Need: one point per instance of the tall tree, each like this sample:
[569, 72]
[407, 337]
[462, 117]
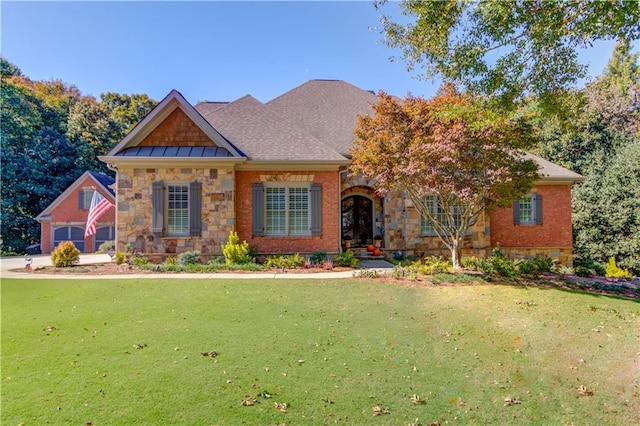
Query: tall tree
[469, 157]
[50, 135]
[601, 142]
[506, 48]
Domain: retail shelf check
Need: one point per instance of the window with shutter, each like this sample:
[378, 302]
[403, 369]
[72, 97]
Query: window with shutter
[528, 210]
[287, 210]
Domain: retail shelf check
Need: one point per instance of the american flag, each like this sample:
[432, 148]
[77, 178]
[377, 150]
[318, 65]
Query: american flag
[99, 206]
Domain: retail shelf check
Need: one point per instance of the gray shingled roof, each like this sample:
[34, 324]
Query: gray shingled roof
[327, 109]
[263, 134]
[550, 170]
[206, 107]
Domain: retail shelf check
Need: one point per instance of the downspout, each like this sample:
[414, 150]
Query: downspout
[345, 169]
[115, 228]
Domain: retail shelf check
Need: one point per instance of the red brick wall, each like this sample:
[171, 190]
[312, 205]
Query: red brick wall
[177, 130]
[67, 213]
[555, 230]
[329, 241]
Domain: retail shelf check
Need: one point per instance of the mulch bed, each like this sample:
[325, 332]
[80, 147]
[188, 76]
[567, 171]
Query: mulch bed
[596, 285]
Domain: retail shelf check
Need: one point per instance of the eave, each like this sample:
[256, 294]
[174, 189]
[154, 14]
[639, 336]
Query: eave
[297, 165]
[116, 161]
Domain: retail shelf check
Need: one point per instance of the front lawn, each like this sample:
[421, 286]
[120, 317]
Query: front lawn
[180, 351]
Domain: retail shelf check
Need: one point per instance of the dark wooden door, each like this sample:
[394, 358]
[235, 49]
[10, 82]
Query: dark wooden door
[357, 219]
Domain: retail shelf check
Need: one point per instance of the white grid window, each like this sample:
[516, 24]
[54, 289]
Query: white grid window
[287, 210]
[436, 209]
[526, 211]
[178, 209]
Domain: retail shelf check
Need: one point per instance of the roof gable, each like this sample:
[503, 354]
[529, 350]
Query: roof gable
[99, 179]
[173, 109]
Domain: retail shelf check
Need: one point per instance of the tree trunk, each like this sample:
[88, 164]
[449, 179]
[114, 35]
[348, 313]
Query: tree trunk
[455, 255]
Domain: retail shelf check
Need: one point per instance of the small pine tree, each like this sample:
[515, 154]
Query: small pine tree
[65, 255]
[236, 253]
[614, 271]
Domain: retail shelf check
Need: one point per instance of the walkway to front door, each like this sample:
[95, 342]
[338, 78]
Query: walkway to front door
[357, 219]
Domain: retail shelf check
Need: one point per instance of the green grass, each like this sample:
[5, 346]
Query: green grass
[333, 350]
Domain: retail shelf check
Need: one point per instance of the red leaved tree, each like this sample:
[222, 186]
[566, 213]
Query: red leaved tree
[450, 149]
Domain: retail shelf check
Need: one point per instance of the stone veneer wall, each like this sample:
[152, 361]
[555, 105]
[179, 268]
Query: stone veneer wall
[402, 230]
[134, 209]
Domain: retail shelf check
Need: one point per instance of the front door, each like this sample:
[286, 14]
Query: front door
[357, 219]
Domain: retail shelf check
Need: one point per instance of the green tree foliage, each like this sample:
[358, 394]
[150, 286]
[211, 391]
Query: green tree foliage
[451, 146]
[601, 141]
[607, 211]
[507, 48]
[50, 135]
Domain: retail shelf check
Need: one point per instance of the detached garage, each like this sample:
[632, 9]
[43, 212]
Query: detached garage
[65, 218]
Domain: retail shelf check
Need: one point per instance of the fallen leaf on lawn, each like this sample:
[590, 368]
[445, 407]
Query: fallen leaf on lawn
[582, 390]
[282, 407]
[211, 354]
[511, 401]
[248, 401]
[377, 410]
[140, 345]
[264, 394]
[417, 400]
[50, 328]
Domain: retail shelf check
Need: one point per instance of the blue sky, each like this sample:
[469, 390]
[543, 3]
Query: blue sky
[210, 50]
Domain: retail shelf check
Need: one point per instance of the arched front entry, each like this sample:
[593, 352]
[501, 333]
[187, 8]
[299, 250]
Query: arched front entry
[357, 219]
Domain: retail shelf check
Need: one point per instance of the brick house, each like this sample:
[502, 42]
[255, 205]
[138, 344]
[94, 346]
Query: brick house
[278, 174]
[65, 218]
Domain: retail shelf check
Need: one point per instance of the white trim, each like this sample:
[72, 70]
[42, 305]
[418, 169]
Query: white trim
[287, 210]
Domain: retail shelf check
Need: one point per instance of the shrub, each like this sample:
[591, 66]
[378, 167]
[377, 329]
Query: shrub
[498, 265]
[287, 262]
[105, 247]
[434, 265]
[327, 265]
[346, 258]
[366, 273]
[65, 255]
[235, 252]
[138, 259]
[534, 267]
[120, 258]
[189, 258]
[614, 271]
[318, 257]
[171, 260]
[583, 271]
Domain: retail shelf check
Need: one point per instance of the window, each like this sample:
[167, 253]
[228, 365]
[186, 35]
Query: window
[528, 210]
[178, 209]
[84, 198]
[287, 210]
[436, 209]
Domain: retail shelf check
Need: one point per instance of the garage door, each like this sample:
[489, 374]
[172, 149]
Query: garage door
[74, 234]
[103, 234]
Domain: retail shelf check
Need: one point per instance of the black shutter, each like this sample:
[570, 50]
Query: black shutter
[195, 208]
[258, 210]
[316, 209]
[536, 202]
[81, 199]
[157, 209]
[516, 212]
